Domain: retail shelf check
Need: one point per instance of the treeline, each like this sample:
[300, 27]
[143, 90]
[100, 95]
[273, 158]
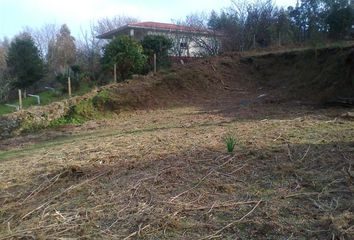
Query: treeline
[45, 57]
[247, 25]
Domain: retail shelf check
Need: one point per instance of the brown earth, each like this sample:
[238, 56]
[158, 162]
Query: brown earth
[159, 169]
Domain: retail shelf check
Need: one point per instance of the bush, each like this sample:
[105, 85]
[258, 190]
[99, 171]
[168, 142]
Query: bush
[159, 45]
[127, 54]
[75, 79]
[101, 100]
[78, 114]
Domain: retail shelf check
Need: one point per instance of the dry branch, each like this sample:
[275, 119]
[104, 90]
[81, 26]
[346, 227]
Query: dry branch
[232, 223]
[208, 174]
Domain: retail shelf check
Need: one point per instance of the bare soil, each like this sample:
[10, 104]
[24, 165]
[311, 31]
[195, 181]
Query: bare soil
[162, 171]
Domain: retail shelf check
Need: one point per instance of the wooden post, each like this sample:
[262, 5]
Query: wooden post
[20, 99]
[115, 72]
[69, 86]
[254, 41]
[155, 67]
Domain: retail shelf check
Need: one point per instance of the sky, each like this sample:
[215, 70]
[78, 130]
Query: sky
[77, 14]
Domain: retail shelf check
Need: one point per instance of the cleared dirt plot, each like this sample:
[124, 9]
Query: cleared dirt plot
[159, 169]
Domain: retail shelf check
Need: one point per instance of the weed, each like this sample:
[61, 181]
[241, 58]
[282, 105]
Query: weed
[230, 143]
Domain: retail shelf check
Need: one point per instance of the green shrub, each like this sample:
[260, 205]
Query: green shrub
[160, 46]
[78, 114]
[101, 100]
[75, 79]
[127, 53]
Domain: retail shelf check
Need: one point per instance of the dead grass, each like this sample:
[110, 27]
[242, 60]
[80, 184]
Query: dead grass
[164, 172]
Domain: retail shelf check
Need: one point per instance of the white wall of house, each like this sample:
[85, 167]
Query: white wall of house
[188, 44]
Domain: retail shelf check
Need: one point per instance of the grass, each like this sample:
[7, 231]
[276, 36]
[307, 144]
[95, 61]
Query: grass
[47, 97]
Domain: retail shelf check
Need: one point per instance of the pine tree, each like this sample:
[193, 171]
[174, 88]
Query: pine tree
[24, 62]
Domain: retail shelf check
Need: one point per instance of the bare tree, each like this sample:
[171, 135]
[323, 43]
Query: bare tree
[205, 39]
[43, 36]
[108, 24]
[196, 39]
[89, 51]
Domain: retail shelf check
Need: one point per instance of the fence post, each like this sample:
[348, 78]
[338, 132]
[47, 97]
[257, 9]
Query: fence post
[254, 41]
[20, 99]
[115, 72]
[69, 86]
[155, 67]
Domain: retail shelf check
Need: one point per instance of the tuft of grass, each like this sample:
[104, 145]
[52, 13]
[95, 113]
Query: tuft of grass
[230, 142]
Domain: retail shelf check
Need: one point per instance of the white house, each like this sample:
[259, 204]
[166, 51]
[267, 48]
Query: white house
[187, 41]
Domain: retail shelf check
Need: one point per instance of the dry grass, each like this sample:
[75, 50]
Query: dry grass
[165, 173]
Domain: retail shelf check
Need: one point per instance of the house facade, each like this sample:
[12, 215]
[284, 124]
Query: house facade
[187, 41]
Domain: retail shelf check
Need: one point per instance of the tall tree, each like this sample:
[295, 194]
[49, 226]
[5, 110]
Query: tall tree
[43, 36]
[62, 51]
[5, 80]
[89, 52]
[24, 62]
[339, 17]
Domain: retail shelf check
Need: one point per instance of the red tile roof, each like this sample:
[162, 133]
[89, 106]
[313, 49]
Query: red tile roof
[165, 26]
[156, 26]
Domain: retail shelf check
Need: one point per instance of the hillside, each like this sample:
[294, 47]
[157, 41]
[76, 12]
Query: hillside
[148, 158]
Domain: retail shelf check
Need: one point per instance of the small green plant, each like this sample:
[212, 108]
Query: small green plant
[230, 143]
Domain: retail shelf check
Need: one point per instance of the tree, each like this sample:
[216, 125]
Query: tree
[340, 17]
[108, 24]
[24, 62]
[43, 36]
[228, 25]
[5, 80]
[89, 53]
[61, 51]
[201, 36]
[158, 45]
[127, 53]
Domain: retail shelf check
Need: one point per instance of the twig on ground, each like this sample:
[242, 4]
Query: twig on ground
[289, 153]
[224, 205]
[63, 192]
[136, 232]
[232, 223]
[196, 185]
[307, 151]
[39, 189]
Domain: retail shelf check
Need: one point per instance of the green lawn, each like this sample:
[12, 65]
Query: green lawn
[46, 98]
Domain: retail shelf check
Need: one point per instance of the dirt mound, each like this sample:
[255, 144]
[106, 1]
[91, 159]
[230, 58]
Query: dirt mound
[313, 76]
[310, 75]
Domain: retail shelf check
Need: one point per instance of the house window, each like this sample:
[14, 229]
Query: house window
[183, 45]
[132, 32]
